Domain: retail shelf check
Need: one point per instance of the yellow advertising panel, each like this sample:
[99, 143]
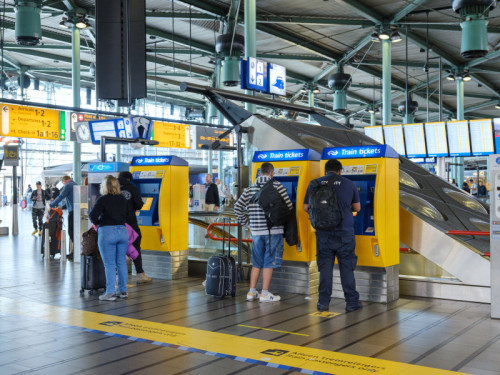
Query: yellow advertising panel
[172, 135]
[32, 122]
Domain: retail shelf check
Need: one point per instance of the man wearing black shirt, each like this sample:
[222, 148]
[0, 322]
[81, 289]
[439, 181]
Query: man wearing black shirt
[212, 201]
[135, 203]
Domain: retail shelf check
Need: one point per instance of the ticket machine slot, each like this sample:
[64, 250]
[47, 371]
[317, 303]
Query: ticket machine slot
[364, 221]
[150, 191]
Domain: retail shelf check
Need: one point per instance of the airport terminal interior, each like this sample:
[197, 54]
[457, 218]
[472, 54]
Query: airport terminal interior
[191, 99]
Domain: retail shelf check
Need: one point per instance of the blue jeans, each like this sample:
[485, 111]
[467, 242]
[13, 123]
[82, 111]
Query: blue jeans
[261, 256]
[113, 242]
[341, 245]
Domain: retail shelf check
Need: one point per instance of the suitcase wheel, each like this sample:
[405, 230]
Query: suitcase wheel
[82, 291]
[91, 292]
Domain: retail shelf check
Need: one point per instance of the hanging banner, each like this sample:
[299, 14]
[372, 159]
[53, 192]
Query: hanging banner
[32, 122]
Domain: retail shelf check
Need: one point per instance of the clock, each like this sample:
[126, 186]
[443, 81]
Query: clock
[82, 132]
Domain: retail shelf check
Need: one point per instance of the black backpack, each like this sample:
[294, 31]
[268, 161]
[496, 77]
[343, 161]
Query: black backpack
[324, 210]
[270, 200]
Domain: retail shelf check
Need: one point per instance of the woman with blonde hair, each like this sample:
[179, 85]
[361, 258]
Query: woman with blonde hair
[109, 214]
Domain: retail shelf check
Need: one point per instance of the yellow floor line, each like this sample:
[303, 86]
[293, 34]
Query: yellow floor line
[273, 330]
[272, 354]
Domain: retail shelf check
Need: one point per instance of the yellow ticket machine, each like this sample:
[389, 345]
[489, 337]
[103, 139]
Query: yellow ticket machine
[375, 171]
[163, 220]
[294, 169]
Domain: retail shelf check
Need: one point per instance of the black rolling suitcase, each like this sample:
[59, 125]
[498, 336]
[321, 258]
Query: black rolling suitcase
[221, 270]
[54, 225]
[92, 273]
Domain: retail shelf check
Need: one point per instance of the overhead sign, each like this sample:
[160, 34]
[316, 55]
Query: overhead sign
[158, 160]
[382, 151]
[393, 135]
[82, 117]
[285, 155]
[103, 167]
[172, 135]
[11, 156]
[277, 79]
[32, 122]
[458, 138]
[376, 133]
[415, 141]
[435, 137]
[205, 136]
[118, 127]
[254, 74]
[481, 137]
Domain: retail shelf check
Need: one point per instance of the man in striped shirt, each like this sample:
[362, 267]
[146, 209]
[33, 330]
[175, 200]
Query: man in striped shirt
[265, 255]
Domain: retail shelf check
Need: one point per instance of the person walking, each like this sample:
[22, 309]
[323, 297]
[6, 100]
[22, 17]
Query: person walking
[55, 191]
[267, 243]
[38, 197]
[465, 187]
[212, 201]
[67, 193]
[134, 200]
[339, 242]
[110, 215]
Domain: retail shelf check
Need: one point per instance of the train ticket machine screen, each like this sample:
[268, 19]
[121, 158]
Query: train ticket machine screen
[364, 223]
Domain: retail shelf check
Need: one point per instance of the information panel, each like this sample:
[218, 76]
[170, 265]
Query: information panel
[435, 137]
[393, 135]
[376, 133]
[481, 137]
[458, 138]
[277, 79]
[254, 74]
[81, 117]
[172, 135]
[415, 141]
[205, 136]
[496, 134]
[32, 122]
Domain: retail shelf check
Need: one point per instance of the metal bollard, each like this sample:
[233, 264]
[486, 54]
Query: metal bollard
[63, 246]
[46, 249]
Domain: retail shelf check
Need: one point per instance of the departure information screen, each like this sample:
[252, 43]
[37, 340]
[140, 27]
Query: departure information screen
[481, 137]
[415, 141]
[376, 133]
[393, 135]
[458, 138]
[435, 137]
[496, 134]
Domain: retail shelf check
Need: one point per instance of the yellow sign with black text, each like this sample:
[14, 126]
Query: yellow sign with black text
[31, 122]
[172, 135]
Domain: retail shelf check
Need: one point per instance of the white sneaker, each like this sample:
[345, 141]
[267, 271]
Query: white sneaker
[107, 297]
[252, 296]
[269, 298]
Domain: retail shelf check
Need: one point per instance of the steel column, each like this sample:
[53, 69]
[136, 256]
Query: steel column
[118, 154]
[75, 83]
[459, 169]
[386, 82]
[373, 122]
[250, 13]
[311, 103]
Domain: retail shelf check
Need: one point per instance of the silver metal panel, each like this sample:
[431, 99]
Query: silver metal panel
[295, 277]
[495, 234]
[80, 218]
[455, 257]
[439, 289]
[165, 265]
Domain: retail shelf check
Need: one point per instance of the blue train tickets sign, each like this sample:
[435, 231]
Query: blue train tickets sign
[158, 160]
[375, 151]
[285, 155]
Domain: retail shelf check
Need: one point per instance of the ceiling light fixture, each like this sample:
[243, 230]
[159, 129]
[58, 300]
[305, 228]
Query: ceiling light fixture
[450, 77]
[395, 37]
[497, 106]
[384, 35]
[374, 37]
[466, 77]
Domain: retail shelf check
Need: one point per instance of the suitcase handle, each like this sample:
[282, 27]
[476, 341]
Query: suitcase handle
[224, 220]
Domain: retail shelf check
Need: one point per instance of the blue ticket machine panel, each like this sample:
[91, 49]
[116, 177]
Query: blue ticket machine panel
[364, 223]
[97, 172]
[149, 183]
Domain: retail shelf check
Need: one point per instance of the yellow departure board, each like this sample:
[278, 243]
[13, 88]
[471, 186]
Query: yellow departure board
[172, 135]
[32, 122]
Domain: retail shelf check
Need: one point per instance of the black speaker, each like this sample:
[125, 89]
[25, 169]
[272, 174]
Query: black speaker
[121, 50]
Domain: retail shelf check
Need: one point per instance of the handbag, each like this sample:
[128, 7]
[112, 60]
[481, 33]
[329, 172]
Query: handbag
[89, 242]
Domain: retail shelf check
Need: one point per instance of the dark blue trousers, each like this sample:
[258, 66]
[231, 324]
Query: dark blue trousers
[331, 245]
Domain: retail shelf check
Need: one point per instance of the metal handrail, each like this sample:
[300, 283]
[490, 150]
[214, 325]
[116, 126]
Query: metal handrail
[467, 233]
[232, 238]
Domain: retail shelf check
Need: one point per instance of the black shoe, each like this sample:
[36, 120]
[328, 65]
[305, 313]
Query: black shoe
[353, 307]
[69, 256]
[321, 307]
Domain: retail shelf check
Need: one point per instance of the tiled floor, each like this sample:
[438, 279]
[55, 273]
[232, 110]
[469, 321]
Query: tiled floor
[449, 335]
